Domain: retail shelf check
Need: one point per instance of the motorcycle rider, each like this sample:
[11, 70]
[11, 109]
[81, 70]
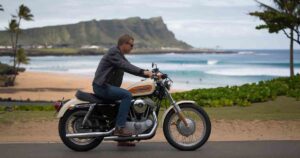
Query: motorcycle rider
[109, 76]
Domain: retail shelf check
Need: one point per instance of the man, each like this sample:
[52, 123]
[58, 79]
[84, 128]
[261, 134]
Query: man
[109, 76]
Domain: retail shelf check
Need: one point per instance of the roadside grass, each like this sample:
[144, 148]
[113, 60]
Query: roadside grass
[7, 118]
[282, 108]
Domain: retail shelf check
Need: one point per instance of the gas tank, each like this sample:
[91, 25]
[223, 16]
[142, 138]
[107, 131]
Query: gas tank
[145, 87]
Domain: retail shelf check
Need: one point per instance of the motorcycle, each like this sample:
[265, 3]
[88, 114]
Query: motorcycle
[86, 120]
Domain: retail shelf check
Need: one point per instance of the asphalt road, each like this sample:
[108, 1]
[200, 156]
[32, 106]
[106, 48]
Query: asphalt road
[246, 149]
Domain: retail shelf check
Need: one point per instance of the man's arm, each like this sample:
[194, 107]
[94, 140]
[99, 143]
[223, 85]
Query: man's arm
[117, 60]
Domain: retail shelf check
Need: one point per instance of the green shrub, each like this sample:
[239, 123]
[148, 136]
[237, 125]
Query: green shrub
[6, 69]
[245, 94]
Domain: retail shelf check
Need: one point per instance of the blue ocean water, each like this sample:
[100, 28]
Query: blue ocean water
[188, 71]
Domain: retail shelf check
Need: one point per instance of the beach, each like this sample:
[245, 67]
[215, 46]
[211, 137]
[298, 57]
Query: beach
[41, 86]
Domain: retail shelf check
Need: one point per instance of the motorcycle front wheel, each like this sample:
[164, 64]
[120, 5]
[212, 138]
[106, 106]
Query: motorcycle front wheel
[194, 135]
[71, 122]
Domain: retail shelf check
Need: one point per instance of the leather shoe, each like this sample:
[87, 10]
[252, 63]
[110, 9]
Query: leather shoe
[122, 132]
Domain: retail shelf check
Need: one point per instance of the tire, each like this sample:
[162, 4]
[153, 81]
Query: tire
[70, 142]
[205, 133]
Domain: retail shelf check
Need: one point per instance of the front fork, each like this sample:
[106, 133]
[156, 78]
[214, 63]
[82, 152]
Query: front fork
[176, 108]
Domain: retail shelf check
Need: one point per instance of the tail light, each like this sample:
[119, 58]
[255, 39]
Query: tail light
[57, 105]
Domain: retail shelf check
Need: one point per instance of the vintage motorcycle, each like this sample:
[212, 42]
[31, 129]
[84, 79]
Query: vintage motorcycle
[85, 121]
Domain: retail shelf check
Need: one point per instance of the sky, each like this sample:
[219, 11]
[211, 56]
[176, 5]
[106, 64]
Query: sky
[222, 24]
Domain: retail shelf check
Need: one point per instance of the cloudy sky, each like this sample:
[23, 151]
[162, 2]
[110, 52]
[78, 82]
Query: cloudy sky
[201, 23]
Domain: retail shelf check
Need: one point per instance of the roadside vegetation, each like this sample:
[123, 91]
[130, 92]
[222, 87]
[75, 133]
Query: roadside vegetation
[243, 95]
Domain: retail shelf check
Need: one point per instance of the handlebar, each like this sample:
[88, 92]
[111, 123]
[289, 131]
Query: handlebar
[156, 71]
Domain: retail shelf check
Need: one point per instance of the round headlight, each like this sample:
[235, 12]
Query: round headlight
[168, 84]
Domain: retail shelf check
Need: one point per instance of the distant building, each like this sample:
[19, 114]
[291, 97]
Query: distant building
[170, 48]
[5, 47]
[90, 47]
[40, 46]
[94, 47]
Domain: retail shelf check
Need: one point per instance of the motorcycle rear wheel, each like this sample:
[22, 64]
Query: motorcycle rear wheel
[71, 122]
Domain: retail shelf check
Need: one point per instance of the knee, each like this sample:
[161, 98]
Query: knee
[127, 95]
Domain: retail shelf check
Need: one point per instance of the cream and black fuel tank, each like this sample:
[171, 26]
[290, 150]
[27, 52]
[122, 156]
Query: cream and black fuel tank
[145, 87]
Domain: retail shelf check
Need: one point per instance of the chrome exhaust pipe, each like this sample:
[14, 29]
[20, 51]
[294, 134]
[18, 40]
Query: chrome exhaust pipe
[139, 136]
[109, 133]
[91, 134]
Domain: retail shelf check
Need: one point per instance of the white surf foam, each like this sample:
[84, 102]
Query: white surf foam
[245, 52]
[212, 62]
[247, 71]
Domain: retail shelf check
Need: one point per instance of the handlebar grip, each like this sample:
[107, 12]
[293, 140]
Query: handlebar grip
[164, 76]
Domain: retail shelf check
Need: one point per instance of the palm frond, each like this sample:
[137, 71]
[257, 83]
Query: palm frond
[24, 13]
[1, 8]
[267, 7]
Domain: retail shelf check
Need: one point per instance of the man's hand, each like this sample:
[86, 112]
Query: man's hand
[148, 73]
[159, 75]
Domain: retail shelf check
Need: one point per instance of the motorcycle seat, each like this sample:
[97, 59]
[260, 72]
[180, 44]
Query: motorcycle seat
[92, 98]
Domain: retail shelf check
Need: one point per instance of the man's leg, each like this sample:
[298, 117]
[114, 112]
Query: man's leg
[116, 93]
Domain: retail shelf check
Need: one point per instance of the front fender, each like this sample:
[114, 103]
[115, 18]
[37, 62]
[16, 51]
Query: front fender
[171, 107]
[70, 104]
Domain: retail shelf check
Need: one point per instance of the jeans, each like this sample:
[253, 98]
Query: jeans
[115, 93]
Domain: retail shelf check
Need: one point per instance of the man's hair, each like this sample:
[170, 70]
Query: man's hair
[124, 39]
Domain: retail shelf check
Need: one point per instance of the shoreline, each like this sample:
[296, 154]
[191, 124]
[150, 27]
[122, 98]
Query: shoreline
[6, 52]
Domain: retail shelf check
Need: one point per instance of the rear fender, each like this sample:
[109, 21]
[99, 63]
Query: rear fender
[69, 105]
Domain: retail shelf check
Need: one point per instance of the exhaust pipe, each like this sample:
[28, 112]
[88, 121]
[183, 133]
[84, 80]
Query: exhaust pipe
[109, 133]
[91, 134]
[139, 136]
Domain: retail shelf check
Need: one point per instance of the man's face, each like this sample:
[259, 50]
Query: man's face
[128, 46]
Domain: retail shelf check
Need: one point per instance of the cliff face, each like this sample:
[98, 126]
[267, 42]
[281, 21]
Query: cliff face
[148, 33]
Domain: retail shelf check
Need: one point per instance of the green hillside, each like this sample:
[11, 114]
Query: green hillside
[148, 33]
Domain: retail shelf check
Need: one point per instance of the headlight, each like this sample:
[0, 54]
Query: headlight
[167, 84]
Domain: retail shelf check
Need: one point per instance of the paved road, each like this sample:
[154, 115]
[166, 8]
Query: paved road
[248, 149]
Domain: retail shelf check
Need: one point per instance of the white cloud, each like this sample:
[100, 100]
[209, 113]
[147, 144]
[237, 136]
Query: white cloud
[230, 3]
[166, 4]
[204, 23]
[239, 34]
[215, 28]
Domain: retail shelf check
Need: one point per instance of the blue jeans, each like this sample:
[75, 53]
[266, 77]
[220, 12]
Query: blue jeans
[115, 93]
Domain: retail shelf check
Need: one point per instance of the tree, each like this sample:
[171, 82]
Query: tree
[23, 13]
[285, 16]
[21, 58]
[14, 29]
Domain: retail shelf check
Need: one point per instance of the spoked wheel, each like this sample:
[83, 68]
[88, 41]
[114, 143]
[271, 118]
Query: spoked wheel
[194, 135]
[70, 123]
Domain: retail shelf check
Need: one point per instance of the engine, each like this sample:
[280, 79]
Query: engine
[140, 106]
[140, 114]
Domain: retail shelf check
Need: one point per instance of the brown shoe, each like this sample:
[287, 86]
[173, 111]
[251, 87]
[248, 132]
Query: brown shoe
[126, 143]
[122, 132]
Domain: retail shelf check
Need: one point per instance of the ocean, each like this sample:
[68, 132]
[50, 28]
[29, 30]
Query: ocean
[188, 71]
